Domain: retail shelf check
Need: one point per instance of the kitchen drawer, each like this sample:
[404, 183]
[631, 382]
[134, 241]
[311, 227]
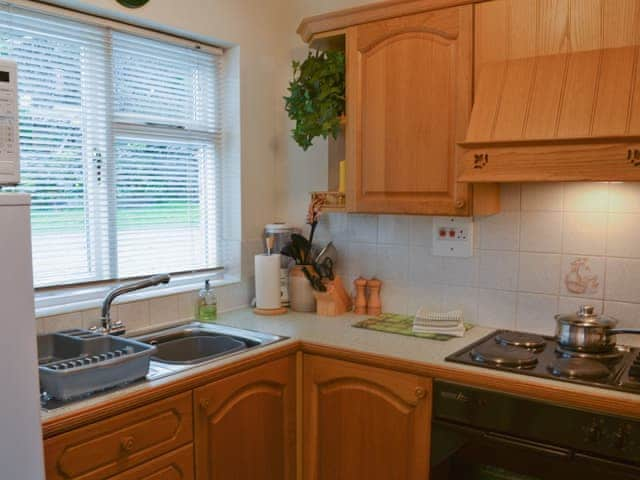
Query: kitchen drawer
[177, 465]
[108, 447]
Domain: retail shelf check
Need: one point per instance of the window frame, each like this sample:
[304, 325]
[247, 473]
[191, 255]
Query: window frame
[120, 125]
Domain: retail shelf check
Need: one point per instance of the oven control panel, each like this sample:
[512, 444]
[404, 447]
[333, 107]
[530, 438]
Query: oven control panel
[611, 436]
[9, 126]
[580, 431]
[634, 370]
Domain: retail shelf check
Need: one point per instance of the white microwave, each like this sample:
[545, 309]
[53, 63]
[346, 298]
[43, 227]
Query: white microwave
[9, 124]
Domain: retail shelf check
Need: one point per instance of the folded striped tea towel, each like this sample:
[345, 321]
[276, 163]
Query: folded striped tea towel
[444, 323]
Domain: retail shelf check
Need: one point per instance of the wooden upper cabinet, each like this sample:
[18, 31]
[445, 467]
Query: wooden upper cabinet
[245, 425]
[364, 423]
[557, 92]
[409, 94]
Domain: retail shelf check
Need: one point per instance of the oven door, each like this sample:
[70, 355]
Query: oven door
[460, 452]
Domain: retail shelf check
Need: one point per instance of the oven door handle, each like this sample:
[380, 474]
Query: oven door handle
[527, 445]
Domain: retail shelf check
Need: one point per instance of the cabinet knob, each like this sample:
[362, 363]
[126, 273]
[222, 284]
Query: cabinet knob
[127, 443]
[460, 203]
[420, 392]
[205, 403]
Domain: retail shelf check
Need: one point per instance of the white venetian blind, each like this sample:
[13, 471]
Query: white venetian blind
[62, 88]
[120, 142]
[166, 160]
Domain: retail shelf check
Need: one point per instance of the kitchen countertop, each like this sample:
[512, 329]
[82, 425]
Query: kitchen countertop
[337, 333]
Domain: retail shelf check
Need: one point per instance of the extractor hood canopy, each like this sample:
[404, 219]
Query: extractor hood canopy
[566, 117]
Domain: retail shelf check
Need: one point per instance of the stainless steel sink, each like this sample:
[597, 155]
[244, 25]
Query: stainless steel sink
[176, 349]
[197, 343]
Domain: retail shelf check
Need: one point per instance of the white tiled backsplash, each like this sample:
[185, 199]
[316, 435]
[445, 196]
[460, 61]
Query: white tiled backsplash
[155, 312]
[552, 247]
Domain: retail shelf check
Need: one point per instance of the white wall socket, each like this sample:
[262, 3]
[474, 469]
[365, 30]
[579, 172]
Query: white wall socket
[453, 236]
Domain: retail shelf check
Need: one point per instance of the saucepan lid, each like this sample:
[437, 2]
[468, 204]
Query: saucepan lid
[586, 317]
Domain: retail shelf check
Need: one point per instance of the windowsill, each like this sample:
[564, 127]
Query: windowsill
[67, 300]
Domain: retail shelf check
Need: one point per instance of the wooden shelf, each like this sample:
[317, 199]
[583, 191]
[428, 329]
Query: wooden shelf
[332, 202]
[332, 40]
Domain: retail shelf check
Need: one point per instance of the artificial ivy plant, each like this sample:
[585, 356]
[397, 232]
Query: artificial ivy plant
[316, 100]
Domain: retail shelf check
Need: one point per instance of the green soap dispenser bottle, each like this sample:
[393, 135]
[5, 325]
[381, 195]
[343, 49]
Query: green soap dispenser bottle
[207, 305]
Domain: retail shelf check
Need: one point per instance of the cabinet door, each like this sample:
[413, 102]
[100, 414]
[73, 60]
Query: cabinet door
[409, 93]
[245, 425]
[364, 423]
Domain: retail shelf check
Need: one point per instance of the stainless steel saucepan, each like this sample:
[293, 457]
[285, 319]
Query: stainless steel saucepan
[586, 331]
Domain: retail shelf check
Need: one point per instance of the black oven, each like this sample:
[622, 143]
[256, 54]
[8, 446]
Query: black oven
[485, 435]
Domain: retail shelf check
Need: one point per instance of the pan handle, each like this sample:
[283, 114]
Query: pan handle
[615, 331]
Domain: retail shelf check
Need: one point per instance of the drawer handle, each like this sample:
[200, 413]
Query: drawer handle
[205, 403]
[127, 444]
[420, 392]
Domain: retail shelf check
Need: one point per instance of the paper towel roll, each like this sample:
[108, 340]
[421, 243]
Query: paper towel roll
[267, 281]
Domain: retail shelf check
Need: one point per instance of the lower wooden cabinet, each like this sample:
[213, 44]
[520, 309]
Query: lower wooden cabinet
[177, 465]
[245, 425]
[364, 423]
[358, 423]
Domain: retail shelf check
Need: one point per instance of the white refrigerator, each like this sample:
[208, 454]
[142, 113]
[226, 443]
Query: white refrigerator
[21, 451]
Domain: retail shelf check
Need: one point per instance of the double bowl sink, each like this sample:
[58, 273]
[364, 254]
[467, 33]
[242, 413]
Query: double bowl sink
[77, 363]
[197, 343]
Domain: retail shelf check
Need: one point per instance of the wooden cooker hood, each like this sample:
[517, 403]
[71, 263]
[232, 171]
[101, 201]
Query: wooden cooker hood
[566, 117]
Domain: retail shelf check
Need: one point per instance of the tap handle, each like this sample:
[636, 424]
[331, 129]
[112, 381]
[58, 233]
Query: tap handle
[161, 278]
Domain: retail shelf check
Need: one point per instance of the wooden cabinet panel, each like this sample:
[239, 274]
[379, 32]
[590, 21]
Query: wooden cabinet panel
[245, 425]
[364, 423]
[117, 444]
[556, 92]
[409, 90]
[511, 29]
[176, 465]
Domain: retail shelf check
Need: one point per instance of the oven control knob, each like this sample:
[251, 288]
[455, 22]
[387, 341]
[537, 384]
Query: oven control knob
[594, 433]
[620, 438]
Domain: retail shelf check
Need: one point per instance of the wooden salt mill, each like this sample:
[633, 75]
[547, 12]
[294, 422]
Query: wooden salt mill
[361, 296]
[374, 304]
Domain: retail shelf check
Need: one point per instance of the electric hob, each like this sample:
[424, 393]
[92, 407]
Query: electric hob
[541, 356]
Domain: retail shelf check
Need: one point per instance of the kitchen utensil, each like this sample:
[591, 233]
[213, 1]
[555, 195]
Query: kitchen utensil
[586, 331]
[329, 251]
[325, 269]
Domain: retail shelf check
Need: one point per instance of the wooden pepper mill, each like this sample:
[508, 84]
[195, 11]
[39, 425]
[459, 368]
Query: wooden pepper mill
[361, 296]
[374, 304]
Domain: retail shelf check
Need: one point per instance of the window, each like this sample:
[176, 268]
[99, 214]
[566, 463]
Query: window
[120, 148]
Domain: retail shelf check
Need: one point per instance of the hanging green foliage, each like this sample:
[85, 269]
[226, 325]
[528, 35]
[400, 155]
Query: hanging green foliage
[316, 100]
